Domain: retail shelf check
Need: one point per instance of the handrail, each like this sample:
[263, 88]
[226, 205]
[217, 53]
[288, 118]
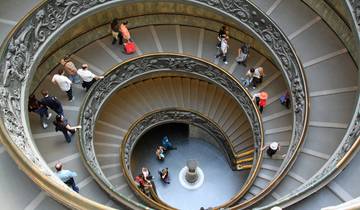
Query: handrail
[22, 50]
[122, 74]
[348, 147]
[158, 117]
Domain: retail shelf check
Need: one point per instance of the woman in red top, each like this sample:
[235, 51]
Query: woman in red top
[260, 100]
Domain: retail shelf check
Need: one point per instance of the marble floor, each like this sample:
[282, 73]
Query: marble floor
[220, 184]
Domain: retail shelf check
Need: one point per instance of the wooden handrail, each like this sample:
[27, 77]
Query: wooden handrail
[243, 154]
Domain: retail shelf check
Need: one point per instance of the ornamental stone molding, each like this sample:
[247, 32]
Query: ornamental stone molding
[23, 48]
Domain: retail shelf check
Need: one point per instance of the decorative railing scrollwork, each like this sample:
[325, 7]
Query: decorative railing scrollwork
[23, 48]
[150, 64]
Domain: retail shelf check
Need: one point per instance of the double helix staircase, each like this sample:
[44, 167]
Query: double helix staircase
[331, 75]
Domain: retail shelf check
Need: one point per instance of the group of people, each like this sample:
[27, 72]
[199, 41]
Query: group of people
[121, 34]
[223, 47]
[119, 31]
[253, 77]
[64, 79]
[73, 75]
[144, 179]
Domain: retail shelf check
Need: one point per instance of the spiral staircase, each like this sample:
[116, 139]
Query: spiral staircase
[317, 165]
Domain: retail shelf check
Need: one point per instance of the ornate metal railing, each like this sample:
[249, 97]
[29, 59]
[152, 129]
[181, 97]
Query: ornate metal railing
[27, 42]
[173, 64]
[348, 146]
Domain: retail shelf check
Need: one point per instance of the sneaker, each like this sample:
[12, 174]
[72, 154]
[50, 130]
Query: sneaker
[225, 62]
[49, 116]
[73, 98]
[45, 125]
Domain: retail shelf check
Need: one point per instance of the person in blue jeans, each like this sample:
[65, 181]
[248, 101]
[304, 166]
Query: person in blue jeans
[61, 124]
[167, 144]
[67, 177]
[36, 106]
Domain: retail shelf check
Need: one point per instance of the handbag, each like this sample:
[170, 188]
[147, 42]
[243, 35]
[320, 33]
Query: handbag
[129, 47]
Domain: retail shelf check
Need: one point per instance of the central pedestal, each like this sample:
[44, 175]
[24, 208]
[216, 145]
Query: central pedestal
[191, 176]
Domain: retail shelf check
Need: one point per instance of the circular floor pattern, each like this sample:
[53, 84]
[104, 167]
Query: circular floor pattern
[191, 186]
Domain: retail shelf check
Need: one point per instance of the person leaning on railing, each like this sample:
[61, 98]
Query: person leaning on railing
[87, 76]
[61, 124]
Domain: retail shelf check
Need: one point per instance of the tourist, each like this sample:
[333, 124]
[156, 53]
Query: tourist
[243, 54]
[167, 144]
[64, 83]
[146, 174]
[222, 33]
[52, 102]
[87, 76]
[115, 31]
[272, 148]
[285, 99]
[256, 75]
[125, 31]
[164, 175]
[143, 185]
[223, 49]
[61, 124]
[66, 176]
[70, 69]
[160, 152]
[260, 100]
[36, 106]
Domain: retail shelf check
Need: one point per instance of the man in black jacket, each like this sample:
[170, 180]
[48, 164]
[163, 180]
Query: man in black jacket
[52, 102]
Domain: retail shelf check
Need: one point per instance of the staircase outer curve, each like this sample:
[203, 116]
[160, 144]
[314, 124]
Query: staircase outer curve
[39, 34]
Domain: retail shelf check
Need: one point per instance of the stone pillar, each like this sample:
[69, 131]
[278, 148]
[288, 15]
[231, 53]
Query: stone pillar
[191, 175]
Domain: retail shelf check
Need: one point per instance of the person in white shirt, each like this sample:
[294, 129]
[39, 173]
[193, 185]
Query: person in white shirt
[63, 82]
[87, 76]
[223, 48]
[256, 75]
[272, 148]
